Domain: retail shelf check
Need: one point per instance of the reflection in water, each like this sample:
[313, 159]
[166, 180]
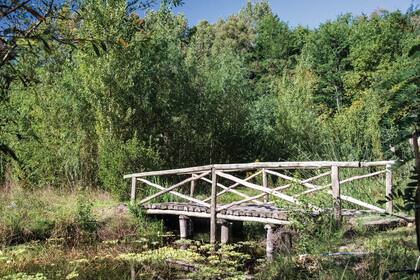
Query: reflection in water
[148, 257]
[133, 271]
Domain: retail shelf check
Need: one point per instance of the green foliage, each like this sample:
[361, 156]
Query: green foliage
[152, 93]
[43, 214]
[84, 216]
[147, 227]
[316, 234]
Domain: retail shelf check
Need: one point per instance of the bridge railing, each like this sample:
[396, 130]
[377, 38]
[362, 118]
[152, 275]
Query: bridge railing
[214, 174]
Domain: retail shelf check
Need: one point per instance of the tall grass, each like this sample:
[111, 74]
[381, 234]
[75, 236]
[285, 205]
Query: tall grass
[76, 217]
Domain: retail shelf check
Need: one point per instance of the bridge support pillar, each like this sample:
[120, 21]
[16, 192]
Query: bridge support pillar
[183, 226]
[270, 241]
[224, 231]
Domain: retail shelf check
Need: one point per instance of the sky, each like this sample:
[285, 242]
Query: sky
[295, 12]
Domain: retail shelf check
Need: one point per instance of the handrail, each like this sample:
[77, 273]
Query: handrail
[227, 172]
[258, 165]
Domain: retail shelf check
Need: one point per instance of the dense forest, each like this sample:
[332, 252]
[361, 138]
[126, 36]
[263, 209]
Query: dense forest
[130, 93]
[91, 90]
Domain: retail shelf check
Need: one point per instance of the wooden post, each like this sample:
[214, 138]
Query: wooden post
[335, 184]
[269, 242]
[133, 190]
[224, 231]
[265, 185]
[183, 226]
[192, 187]
[388, 187]
[213, 206]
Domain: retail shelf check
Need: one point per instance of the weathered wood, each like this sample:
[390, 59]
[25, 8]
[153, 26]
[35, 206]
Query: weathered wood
[228, 190]
[335, 184]
[299, 165]
[256, 187]
[263, 214]
[224, 231]
[269, 242]
[192, 187]
[265, 185]
[183, 226]
[361, 203]
[358, 177]
[219, 216]
[313, 190]
[252, 212]
[259, 196]
[186, 197]
[301, 182]
[234, 185]
[213, 206]
[254, 209]
[341, 182]
[260, 165]
[376, 163]
[133, 190]
[388, 188]
[188, 170]
[305, 181]
[173, 187]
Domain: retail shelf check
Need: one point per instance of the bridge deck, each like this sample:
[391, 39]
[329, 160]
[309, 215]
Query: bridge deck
[264, 213]
[250, 212]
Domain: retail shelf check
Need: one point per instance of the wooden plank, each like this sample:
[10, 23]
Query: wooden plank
[178, 171]
[133, 190]
[213, 206]
[388, 188]
[305, 181]
[254, 219]
[341, 182]
[335, 185]
[265, 185]
[362, 176]
[234, 185]
[260, 165]
[300, 165]
[313, 190]
[361, 203]
[257, 196]
[173, 187]
[192, 187]
[249, 209]
[174, 192]
[219, 216]
[377, 163]
[230, 190]
[301, 182]
[256, 187]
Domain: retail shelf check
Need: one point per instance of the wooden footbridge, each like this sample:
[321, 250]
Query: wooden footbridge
[258, 192]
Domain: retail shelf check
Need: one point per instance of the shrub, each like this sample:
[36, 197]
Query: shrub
[84, 216]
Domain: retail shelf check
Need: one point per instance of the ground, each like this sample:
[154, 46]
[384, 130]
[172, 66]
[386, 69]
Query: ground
[90, 235]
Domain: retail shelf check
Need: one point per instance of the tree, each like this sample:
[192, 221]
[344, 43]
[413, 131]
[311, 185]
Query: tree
[327, 51]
